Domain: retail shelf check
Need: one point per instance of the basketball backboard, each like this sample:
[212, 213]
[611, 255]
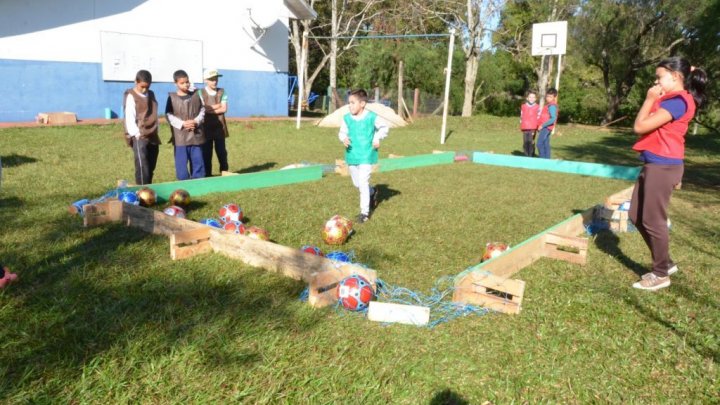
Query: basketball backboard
[549, 38]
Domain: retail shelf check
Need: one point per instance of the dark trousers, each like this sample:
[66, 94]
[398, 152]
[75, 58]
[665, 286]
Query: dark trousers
[543, 143]
[528, 142]
[220, 151]
[648, 211]
[145, 156]
[189, 156]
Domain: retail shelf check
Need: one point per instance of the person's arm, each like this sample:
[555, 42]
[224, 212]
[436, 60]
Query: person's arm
[200, 117]
[381, 131]
[131, 117]
[343, 134]
[174, 121]
[219, 108]
[552, 110]
[646, 122]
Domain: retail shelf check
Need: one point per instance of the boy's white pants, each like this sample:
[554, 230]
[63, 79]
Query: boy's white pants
[360, 175]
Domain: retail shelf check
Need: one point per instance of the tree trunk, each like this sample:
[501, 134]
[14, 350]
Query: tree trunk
[333, 56]
[471, 68]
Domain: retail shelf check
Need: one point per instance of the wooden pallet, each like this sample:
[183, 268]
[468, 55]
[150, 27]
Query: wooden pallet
[189, 238]
[490, 291]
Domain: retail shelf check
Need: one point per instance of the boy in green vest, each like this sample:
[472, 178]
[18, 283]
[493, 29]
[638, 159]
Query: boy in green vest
[361, 132]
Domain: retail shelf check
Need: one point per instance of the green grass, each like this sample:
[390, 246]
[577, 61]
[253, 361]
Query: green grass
[103, 315]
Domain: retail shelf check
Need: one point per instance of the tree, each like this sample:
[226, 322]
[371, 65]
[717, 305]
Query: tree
[473, 19]
[622, 38]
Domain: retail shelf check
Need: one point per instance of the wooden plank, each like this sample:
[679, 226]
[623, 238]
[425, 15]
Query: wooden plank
[568, 248]
[410, 162]
[323, 284]
[562, 166]
[613, 201]
[398, 313]
[271, 178]
[186, 244]
[490, 291]
[156, 222]
[102, 213]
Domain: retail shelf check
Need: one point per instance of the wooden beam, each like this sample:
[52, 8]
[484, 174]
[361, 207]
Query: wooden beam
[102, 213]
[490, 291]
[218, 184]
[186, 244]
[569, 248]
[562, 166]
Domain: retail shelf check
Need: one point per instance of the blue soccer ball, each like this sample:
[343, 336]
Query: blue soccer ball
[129, 197]
[338, 256]
[211, 222]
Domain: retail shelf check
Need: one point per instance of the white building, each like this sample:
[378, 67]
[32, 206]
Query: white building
[80, 55]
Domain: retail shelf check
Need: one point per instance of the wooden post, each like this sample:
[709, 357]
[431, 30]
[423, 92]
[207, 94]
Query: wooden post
[400, 89]
[377, 94]
[416, 102]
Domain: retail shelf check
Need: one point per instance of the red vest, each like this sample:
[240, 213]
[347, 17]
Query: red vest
[668, 140]
[545, 115]
[529, 116]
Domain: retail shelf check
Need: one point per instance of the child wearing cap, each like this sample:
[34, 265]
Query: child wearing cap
[215, 100]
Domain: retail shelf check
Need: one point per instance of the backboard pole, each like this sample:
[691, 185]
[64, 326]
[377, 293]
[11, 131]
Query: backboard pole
[448, 71]
[301, 78]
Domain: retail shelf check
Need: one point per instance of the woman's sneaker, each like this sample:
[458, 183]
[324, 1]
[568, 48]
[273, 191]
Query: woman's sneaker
[362, 218]
[651, 282]
[672, 270]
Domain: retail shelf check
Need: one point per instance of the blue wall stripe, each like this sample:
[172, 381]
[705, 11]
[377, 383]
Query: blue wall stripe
[32, 87]
[563, 166]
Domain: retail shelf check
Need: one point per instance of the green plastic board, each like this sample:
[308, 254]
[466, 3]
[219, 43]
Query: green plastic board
[563, 166]
[410, 162]
[198, 187]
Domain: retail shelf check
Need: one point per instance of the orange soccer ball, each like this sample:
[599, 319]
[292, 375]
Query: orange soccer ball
[336, 230]
[180, 197]
[147, 196]
[257, 233]
[493, 250]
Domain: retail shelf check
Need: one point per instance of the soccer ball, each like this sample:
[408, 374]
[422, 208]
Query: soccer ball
[235, 227]
[313, 250]
[344, 221]
[257, 233]
[355, 293]
[336, 230]
[174, 211]
[129, 197]
[338, 256]
[231, 212]
[493, 250]
[146, 196]
[180, 197]
[211, 222]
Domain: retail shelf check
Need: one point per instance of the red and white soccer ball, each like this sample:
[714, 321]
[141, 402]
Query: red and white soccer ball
[493, 250]
[257, 233]
[336, 230]
[235, 227]
[231, 212]
[355, 293]
[174, 211]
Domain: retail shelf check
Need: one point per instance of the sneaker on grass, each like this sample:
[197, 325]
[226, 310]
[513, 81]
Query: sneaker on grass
[362, 218]
[651, 282]
[672, 270]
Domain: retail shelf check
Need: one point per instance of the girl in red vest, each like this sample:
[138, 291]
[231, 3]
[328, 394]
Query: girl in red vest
[529, 113]
[662, 123]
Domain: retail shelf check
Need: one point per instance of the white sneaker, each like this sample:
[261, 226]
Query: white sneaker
[651, 282]
[672, 270]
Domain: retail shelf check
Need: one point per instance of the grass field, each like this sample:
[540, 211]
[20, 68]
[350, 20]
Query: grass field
[103, 315]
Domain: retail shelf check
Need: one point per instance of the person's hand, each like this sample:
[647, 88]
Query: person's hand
[376, 144]
[654, 93]
[189, 124]
[346, 142]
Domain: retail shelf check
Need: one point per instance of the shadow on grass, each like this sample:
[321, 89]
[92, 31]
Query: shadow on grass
[16, 160]
[385, 193]
[9, 207]
[697, 341]
[257, 168]
[609, 243]
[448, 397]
[103, 295]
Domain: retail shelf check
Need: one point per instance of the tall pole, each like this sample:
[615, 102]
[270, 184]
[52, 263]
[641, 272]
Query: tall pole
[301, 78]
[557, 82]
[448, 71]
